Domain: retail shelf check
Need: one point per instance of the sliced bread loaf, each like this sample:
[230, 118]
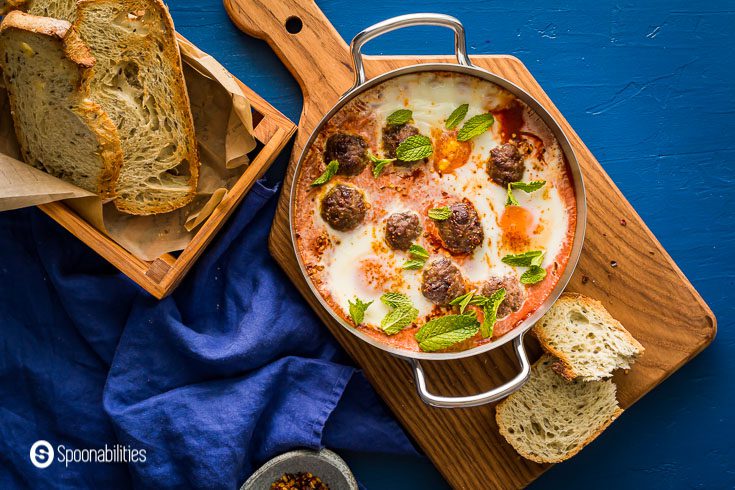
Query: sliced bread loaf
[137, 79]
[550, 419]
[587, 341]
[58, 129]
[56, 9]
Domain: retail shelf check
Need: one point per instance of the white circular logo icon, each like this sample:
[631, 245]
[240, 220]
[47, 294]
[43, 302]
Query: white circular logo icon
[42, 454]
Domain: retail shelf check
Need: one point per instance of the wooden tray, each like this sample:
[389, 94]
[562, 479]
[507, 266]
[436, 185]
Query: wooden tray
[272, 130]
[622, 264]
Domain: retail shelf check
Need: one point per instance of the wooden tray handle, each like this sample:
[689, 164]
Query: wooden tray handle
[304, 40]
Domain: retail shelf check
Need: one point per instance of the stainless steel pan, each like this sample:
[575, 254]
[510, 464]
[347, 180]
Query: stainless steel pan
[464, 66]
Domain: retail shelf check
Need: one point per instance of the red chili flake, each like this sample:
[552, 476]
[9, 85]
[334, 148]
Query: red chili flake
[322, 242]
[623, 222]
[299, 481]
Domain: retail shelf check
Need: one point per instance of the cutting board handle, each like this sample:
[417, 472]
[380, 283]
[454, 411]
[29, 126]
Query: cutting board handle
[305, 41]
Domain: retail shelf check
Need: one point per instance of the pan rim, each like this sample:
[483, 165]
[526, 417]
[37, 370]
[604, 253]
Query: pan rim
[579, 191]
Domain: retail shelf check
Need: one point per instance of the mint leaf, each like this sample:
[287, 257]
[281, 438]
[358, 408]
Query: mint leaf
[534, 274]
[327, 175]
[489, 308]
[490, 313]
[419, 255]
[526, 187]
[464, 304]
[497, 297]
[395, 300]
[457, 116]
[479, 300]
[475, 126]
[414, 264]
[418, 252]
[463, 301]
[511, 201]
[398, 319]
[402, 315]
[524, 259]
[474, 299]
[446, 331]
[401, 116]
[440, 214]
[379, 163]
[357, 310]
[414, 148]
[378, 167]
[537, 260]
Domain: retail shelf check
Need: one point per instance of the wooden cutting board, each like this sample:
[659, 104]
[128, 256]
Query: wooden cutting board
[622, 265]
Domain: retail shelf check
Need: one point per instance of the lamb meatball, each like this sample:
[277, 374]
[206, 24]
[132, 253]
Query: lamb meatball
[343, 207]
[442, 281]
[505, 165]
[393, 136]
[462, 231]
[515, 294]
[402, 229]
[351, 151]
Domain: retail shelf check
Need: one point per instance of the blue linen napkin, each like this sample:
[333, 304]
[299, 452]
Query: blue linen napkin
[229, 371]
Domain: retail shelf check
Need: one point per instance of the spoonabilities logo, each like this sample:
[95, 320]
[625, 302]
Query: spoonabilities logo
[42, 454]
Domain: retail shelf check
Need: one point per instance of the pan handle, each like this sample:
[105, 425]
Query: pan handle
[482, 398]
[421, 19]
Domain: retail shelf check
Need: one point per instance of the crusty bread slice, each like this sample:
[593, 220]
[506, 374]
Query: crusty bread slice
[137, 79]
[56, 9]
[587, 341]
[550, 419]
[58, 130]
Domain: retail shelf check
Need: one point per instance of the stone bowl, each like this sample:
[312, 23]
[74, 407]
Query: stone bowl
[325, 464]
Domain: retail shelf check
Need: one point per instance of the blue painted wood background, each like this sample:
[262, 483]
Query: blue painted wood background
[649, 87]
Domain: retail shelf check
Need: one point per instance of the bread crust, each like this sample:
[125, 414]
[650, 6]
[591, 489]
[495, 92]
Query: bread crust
[38, 25]
[110, 149]
[10, 5]
[90, 113]
[180, 97]
[563, 366]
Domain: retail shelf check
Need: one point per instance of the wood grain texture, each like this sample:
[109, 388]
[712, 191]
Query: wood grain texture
[161, 276]
[622, 265]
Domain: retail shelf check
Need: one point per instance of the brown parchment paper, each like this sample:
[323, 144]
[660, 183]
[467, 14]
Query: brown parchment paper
[224, 128]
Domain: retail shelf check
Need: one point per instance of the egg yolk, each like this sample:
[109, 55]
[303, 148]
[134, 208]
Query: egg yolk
[516, 223]
[449, 154]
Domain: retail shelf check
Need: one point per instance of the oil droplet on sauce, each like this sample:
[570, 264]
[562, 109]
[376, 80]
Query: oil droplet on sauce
[511, 122]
